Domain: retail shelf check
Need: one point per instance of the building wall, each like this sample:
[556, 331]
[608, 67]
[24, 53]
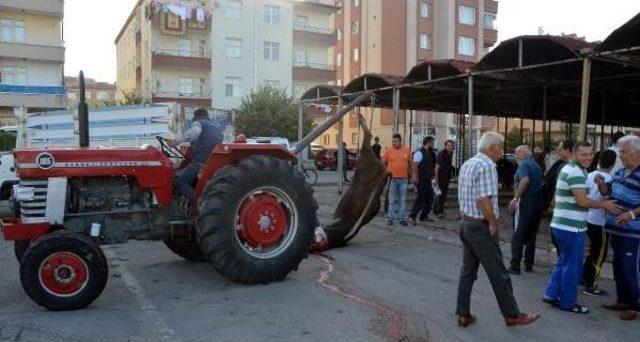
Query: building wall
[41, 52]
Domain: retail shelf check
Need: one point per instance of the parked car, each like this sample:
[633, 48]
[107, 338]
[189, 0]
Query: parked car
[327, 159]
[270, 140]
[507, 166]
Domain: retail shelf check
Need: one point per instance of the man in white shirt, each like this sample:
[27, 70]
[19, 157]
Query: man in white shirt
[599, 240]
[616, 148]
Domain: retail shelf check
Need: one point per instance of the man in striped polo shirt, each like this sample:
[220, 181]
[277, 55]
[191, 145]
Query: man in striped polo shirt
[625, 228]
[568, 226]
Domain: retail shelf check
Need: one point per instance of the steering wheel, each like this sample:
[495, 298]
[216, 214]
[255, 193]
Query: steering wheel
[169, 151]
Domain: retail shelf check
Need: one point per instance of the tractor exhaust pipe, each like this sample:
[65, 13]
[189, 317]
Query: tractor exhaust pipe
[83, 114]
[302, 144]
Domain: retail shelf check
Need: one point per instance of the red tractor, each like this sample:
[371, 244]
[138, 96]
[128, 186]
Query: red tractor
[253, 221]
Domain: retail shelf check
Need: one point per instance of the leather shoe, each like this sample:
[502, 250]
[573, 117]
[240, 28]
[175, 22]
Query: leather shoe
[616, 306]
[464, 321]
[629, 315]
[513, 271]
[522, 319]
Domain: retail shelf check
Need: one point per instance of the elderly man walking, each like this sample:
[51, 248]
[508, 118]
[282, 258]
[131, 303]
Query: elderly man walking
[526, 205]
[569, 226]
[478, 199]
[625, 228]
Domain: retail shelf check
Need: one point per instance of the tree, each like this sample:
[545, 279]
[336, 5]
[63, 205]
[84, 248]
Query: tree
[131, 96]
[269, 112]
[513, 138]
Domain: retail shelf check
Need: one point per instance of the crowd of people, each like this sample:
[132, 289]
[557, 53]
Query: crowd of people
[593, 196]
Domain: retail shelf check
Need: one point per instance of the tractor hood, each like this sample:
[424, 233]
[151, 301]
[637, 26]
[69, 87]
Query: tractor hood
[147, 164]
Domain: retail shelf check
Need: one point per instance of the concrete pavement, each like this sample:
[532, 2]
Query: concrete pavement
[390, 284]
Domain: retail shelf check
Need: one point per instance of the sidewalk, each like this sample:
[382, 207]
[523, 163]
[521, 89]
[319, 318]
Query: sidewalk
[446, 230]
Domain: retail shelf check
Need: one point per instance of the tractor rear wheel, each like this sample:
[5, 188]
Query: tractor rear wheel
[256, 220]
[185, 246]
[63, 271]
[19, 247]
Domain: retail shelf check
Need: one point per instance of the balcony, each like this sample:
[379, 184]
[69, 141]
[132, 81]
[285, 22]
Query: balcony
[490, 37]
[32, 96]
[47, 49]
[313, 71]
[314, 35]
[186, 99]
[53, 8]
[181, 59]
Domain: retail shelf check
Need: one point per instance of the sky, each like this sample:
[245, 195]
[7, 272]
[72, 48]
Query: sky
[91, 26]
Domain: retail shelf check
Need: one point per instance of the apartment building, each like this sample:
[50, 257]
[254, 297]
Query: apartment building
[96, 94]
[31, 57]
[314, 38]
[212, 53]
[390, 37]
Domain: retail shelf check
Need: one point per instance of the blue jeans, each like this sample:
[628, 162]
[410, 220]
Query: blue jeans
[626, 269]
[397, 199]
[186, 181]
[566, 273]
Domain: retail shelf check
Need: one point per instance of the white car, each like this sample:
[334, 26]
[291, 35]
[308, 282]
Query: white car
[270, 140]
[7, 176]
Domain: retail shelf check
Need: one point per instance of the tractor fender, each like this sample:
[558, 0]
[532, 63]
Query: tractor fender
[224, 155]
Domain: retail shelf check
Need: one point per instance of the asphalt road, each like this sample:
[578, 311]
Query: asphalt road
[388, 285]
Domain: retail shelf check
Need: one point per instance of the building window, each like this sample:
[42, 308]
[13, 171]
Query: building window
[271, 14]
[185, 47]
[356, 55]
[424, 10]
[467, 15]
[202, 48]
[301, 57]
[186, 86]
[327, 139]
[232, 87]
[339, 82]
[12, 30]
[490, 20]
[234, 9]
[425, 43]
[466, 46]
[13, 75]
[355, 27]
[339, 59]
[234, 48]
[354, 138]
[301, 21]
[356, 3]
[271, 51]
[339, 33]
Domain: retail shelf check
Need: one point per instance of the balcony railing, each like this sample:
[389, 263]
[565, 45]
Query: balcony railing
[179, 94]
[34, 40]
[183, 53]
[313, 29]
[27, 89]
[318, 66]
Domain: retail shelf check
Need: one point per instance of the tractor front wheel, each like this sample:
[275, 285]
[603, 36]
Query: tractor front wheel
[256, 220]
[63, 271]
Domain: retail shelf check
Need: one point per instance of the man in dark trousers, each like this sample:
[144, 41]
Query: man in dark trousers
[376, 147]
[203, 137]
[424, 162]
[526, 208]
[443, 173]
[478, 200]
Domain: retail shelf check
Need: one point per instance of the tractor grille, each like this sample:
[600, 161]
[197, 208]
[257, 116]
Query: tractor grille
[34, 211]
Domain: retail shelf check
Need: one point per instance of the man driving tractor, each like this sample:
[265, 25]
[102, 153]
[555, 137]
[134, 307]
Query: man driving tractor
[203, 137]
